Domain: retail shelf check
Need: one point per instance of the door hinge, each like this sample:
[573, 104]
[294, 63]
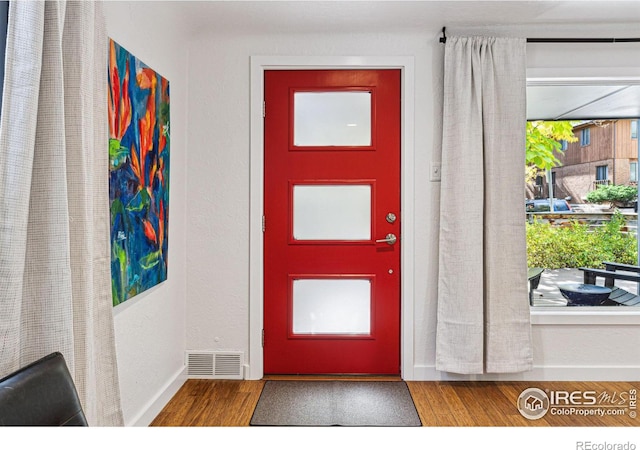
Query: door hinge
[263, 337]
[264, 224]
[264, 109]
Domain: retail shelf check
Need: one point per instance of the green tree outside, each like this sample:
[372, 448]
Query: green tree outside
[543, 141]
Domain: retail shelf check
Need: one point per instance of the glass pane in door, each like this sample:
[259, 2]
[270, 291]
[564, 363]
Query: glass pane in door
[332, 212]
[332, 306]
[323, 119]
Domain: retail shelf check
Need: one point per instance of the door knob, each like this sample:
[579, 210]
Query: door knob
[389, 239]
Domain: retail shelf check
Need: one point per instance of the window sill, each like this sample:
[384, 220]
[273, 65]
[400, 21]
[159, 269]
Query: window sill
[584, 315]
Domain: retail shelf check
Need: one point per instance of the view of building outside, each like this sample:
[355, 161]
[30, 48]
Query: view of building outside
[605, 153]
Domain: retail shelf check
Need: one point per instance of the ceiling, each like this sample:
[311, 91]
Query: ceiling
[566, 101]
[518, 18]
[337, 16]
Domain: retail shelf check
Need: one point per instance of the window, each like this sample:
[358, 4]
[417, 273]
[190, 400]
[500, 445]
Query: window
[564, 145]
[580, 233]
[556, 240]
[585, 137]
[602, 173]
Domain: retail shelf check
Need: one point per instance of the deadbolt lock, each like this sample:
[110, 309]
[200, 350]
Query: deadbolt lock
[391, 217]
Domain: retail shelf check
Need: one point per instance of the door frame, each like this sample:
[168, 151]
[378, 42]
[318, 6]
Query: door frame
[259, 64]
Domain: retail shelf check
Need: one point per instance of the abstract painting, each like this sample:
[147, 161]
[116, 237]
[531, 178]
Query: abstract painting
[138, 174]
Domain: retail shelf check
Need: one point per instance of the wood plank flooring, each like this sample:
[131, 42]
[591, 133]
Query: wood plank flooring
[230, 403]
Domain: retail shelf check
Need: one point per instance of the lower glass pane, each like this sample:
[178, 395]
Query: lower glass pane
[332, 306]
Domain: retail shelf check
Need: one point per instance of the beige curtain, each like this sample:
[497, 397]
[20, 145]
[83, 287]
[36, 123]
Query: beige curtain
[483, 322]
[55, 288]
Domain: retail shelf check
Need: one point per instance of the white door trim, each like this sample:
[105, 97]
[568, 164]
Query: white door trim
[256, 300]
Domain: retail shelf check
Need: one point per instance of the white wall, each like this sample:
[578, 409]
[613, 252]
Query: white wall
[219, 172]
[150, 328]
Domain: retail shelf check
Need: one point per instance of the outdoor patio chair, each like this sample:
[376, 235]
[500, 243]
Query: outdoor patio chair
[612, 272]
[533, 274]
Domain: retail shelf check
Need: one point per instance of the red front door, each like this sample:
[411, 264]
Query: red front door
[332, 222]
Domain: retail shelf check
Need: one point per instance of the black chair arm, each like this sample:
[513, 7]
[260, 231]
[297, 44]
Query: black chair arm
[612, 266]
[41, 394]
[590, 276]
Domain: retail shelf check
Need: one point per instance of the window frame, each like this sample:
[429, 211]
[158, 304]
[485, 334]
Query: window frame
[585, 137]
[600, 170]
[564, 145]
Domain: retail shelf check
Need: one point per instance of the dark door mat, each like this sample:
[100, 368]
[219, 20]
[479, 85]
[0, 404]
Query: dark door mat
[336, 403]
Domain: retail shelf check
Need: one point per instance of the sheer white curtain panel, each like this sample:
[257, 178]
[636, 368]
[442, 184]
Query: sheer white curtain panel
[55, 284]
[483, 322]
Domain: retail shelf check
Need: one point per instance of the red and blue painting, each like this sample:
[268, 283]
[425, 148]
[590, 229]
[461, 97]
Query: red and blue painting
[139, 140]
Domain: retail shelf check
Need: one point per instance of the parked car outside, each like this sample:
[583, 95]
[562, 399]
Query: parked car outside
[542, 205]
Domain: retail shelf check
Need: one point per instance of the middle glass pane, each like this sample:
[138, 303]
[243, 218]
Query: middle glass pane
[332, 212]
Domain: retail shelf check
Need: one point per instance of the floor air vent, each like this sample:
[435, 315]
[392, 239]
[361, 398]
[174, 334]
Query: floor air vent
[215, 365]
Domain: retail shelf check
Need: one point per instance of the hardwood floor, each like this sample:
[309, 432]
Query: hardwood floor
[220, 403]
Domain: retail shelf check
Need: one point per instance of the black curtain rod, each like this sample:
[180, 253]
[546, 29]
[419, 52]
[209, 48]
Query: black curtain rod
[583, 40]
[443, 39]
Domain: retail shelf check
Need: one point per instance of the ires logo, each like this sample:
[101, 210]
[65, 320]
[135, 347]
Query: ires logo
[534, 403]
[575, 398]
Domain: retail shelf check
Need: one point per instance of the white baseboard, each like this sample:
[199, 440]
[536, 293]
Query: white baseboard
[156, 404]
[539, 373]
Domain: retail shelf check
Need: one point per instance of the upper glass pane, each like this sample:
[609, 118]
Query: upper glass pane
[328, 119]
[332, 212]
